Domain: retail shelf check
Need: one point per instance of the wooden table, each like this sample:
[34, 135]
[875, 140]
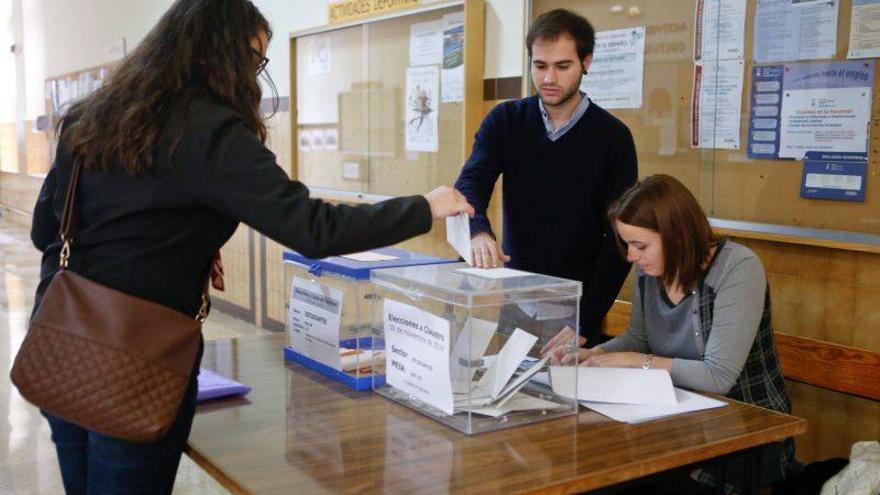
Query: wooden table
[298, 432]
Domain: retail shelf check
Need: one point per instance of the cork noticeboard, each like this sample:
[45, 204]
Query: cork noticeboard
[728, 184]
[349, 105]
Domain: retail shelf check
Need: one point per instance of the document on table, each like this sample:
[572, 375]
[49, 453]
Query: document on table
[614, 385]
[718, 88]
[629, 413]
[512, 354]
[864, 29]
[369, 256]
[785, 31]
[458, 235]
[494, 273]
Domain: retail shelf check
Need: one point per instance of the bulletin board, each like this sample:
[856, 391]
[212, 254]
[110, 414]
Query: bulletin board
[64, 89]
[728, 183]
[374, 116]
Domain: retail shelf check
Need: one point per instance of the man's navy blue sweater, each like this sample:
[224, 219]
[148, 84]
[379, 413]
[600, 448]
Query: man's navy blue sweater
[555, 197]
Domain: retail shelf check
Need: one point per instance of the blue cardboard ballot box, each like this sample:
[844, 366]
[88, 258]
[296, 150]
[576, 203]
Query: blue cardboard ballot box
[330, 324]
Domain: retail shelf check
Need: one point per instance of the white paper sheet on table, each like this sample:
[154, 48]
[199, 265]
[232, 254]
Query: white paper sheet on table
[458, 235]
[494, 273]
[614, 385]
[369, 256]
[512, 354]
[630, 413]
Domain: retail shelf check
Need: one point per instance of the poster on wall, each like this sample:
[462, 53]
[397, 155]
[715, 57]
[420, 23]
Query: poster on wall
[452, 74]
[719, 29]
[716, 106]
[422, 90]
[319, 56]
[826, 106]
[426, 43]
[864, 29]
[764, 112]
[835, 176]
[615, 77]
[786, 30]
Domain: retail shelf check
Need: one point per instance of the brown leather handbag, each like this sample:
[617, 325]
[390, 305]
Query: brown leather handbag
[102, 359]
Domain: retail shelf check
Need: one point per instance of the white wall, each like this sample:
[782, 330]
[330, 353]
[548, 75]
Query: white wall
[62, 36]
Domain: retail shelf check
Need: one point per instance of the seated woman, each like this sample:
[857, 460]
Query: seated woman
[700, 310]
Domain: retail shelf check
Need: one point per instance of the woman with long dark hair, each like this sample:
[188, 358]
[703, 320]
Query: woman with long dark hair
[173, 159]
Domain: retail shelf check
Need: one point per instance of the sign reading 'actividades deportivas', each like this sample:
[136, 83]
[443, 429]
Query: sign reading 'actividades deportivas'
[347, 10]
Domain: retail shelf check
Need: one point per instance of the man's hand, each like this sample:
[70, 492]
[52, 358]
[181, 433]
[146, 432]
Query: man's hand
[486, 252]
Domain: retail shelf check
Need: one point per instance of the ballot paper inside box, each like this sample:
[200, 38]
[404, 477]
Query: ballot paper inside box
[329, 315]
[463, 346]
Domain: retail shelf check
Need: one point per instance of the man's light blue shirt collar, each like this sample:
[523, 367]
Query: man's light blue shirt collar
[579, 110]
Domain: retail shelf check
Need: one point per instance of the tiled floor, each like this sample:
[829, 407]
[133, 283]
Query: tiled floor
[27, 456]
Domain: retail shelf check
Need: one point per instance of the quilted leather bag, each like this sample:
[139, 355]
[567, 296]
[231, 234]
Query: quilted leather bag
[102, 359]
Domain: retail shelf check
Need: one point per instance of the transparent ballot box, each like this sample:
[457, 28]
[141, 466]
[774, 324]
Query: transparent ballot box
[463, 345]
[329, 316]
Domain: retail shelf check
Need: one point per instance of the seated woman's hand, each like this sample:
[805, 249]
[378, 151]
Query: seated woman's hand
[560, 345]
[614, 360]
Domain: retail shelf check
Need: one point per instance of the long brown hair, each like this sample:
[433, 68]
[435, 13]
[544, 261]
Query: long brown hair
[198, 47]
[663, 204]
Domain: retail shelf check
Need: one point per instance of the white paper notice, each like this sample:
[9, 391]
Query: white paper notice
[468, 351]
[417, 354]
[458, 235]
[319, 56]
[838, 122]
[422, 92]
[720, 29]
[717, 103]
[426, 43]
[826, 106]
[369, 256]
[452, 75]
[864, 29]
[615, 76]
[314, 317]
[786, 31]
[512, 354]
[614, 385]
[494, 273]
[629, 413]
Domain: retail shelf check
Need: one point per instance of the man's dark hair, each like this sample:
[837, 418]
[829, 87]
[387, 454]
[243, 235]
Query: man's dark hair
[555, 23]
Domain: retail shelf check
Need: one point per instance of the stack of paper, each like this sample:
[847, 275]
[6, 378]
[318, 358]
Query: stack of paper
[627, 394]
[497, 392]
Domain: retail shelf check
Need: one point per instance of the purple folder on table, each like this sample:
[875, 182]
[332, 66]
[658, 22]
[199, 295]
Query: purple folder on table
[213, 385]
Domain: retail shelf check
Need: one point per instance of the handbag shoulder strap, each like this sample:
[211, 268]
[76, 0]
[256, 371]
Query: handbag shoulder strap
[67, 230]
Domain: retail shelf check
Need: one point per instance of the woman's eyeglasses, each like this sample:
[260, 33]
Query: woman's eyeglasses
[263, 61]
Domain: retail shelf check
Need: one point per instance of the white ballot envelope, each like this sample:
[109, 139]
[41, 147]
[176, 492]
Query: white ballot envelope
[458, 235]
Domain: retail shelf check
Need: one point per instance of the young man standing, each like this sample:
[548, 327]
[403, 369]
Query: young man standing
[564, 160]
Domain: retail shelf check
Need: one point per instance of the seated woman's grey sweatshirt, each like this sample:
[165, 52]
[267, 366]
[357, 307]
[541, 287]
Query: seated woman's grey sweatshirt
[736, 277]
